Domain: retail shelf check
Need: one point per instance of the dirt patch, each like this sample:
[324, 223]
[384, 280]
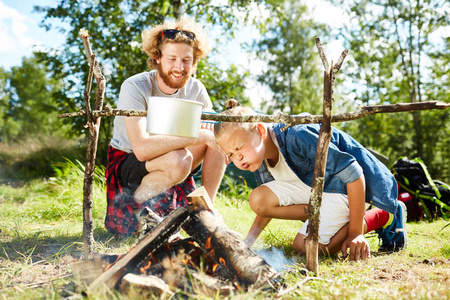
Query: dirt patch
[24, 274]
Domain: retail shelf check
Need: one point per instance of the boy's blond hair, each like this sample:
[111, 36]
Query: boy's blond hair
[153, 40]
[234, 110]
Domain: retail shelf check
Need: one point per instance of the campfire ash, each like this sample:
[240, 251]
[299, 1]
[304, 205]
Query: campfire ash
[213, 258]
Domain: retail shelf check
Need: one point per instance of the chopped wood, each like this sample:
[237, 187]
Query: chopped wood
[200, 198]
[228, 250]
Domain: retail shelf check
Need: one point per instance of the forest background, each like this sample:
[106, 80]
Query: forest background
[399, 53]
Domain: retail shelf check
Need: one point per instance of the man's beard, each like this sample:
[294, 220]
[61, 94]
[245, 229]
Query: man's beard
[167, 79]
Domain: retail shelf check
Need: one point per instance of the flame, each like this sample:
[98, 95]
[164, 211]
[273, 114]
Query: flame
[208, 243]
[237, 286]
[222, 261]
[172, 263]
[143, 269]
[215, 267]
[111, 264]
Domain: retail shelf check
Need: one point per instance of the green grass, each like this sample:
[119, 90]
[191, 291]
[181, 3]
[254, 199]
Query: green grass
[41, 235]
[34, 156]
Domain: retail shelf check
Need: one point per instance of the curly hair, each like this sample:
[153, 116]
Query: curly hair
[153, 40]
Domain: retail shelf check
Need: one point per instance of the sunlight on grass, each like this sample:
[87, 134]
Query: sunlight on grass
[41, 233]
[51, 207]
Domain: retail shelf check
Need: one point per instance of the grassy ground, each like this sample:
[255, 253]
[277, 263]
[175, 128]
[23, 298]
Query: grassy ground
[41, 235]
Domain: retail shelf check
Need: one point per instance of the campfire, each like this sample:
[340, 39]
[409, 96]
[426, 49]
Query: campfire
[213, 258]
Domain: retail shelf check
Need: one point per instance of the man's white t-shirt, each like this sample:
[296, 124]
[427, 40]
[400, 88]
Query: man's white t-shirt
[134, 94]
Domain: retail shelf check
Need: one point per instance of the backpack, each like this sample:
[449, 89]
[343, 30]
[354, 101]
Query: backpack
[433, 196]
[415, 212]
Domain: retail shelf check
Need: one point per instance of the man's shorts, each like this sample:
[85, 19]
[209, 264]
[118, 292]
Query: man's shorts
[334, 211]
[131, 172]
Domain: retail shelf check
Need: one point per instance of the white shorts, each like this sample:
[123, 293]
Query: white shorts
[334, 211]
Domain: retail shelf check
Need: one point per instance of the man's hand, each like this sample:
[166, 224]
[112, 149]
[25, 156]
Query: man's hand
[359, 247]
[207, 125]
[207, 137]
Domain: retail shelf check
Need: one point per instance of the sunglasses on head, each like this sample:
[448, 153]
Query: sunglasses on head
[172, 33]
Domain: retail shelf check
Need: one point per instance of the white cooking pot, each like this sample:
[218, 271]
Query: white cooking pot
[174, 116]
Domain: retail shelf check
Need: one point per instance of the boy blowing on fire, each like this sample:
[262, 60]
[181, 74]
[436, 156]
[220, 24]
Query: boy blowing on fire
[283, 164]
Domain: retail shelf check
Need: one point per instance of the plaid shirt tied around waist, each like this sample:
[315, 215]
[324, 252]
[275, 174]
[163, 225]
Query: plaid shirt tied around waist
[120, 218]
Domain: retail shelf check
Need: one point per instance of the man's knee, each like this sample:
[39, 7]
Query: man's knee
[178, 164]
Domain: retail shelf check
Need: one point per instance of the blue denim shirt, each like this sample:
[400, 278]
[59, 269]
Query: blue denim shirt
[347, 160]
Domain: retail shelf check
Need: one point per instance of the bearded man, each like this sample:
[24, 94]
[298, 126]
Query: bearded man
[156, 171]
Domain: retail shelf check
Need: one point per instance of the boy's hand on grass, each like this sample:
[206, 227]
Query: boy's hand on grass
[359, 247]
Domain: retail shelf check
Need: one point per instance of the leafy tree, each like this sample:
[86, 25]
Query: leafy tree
[393, 44]
[6, 128]
[28, 101]
[294, 72]
[115, 27]
[232, 84]
[439, 89]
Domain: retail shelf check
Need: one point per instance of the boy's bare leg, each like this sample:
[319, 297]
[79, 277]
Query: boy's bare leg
[265, 203]
[333, 246]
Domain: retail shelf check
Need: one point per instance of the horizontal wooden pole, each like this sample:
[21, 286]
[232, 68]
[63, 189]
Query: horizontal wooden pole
[362, 112]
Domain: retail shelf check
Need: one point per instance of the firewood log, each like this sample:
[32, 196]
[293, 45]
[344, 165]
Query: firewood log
[227, 249]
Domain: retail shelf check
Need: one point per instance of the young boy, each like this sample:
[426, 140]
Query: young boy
[283, 163]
